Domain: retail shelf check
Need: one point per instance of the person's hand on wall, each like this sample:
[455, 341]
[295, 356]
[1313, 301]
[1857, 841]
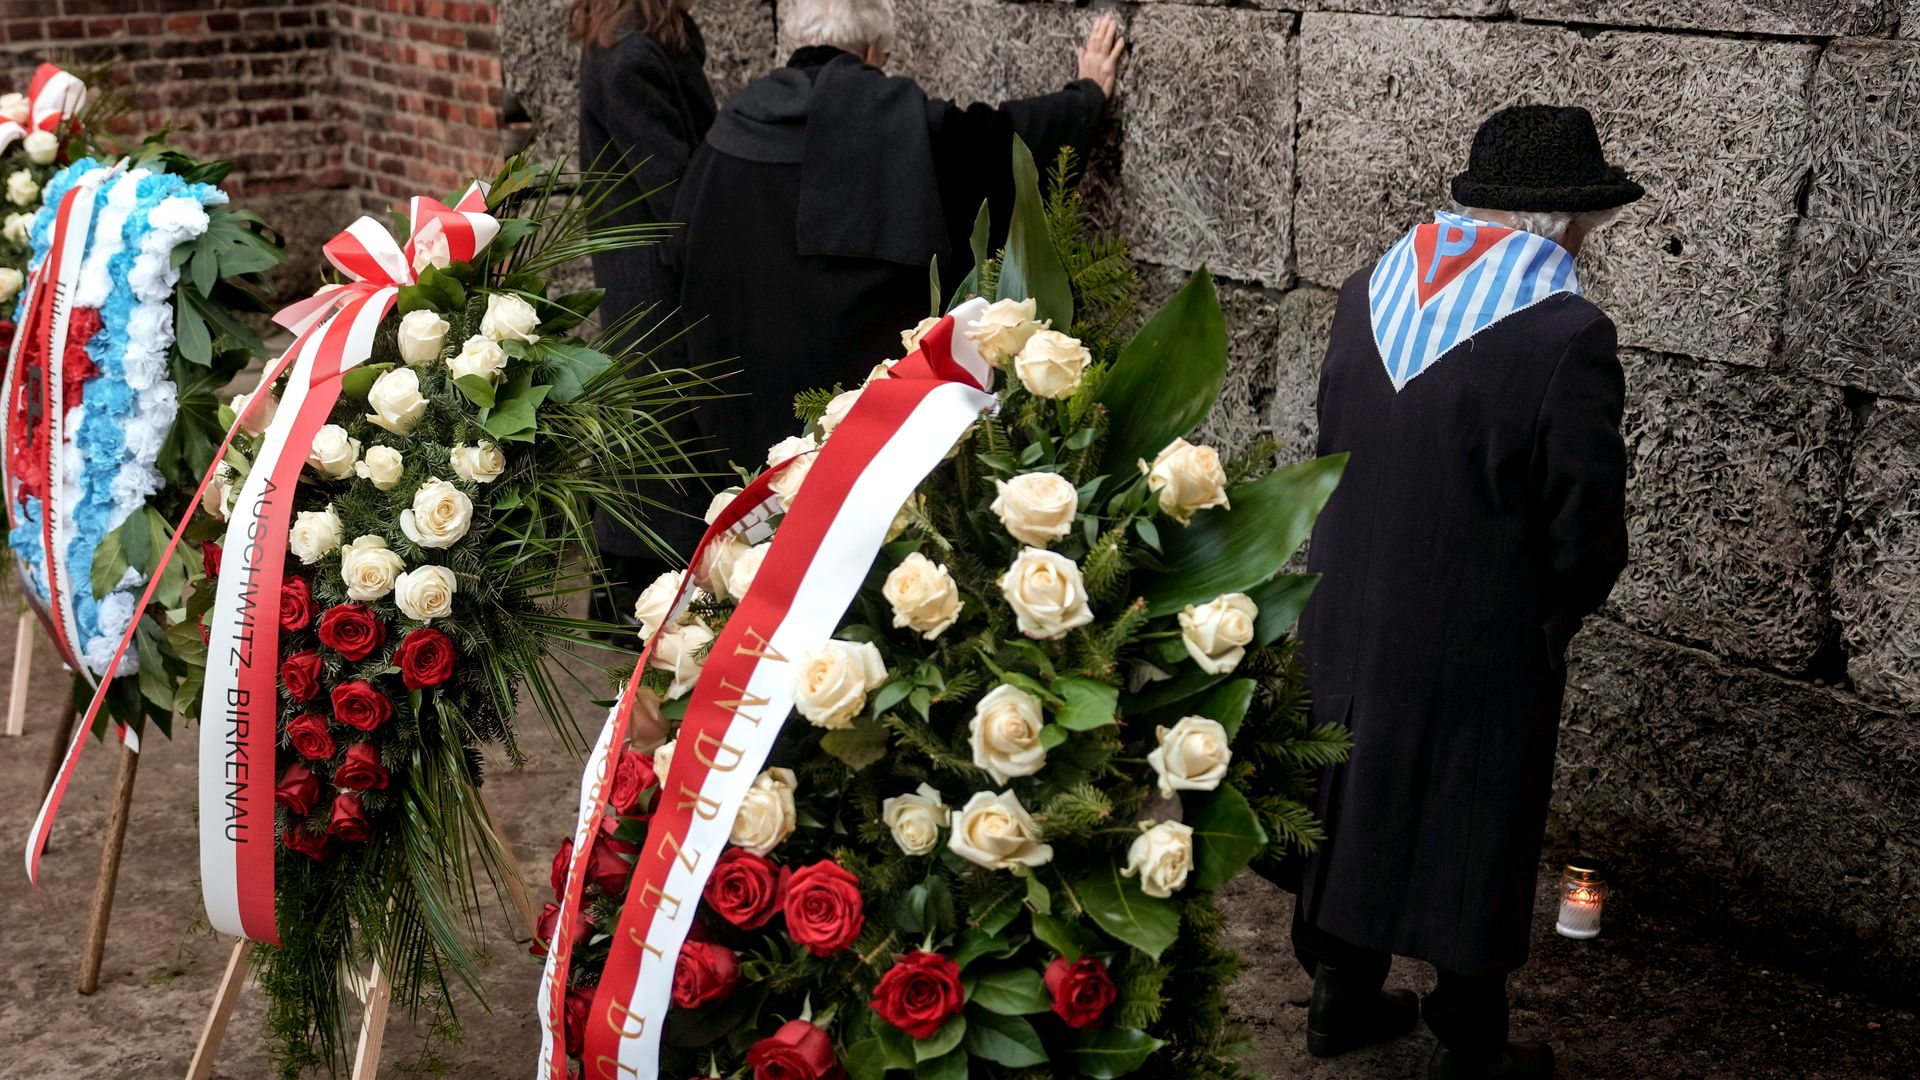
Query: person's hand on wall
[1100, 58]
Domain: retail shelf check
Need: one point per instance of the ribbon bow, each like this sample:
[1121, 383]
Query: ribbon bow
[54, 97]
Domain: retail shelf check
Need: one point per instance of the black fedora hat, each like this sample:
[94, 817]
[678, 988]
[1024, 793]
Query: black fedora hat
[1541, 157]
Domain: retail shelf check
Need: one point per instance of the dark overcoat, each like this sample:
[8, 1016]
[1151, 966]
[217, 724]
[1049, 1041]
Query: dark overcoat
[1479, 521]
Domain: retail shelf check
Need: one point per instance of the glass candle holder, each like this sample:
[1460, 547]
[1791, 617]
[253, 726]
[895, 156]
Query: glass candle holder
[1583, 892]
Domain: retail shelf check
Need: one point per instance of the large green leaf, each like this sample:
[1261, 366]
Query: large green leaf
[573, 367]
[1232, 550]
[1227, 834]
[866, 1060]
[947, 1067]
[938, 1043]
[1009, 991]
[1030, 266]
[1113, 1052]
[1227, 704]
[1122, 910]
[1090, 704]
[1167, 378]
[1004, 1040]
[859, 745]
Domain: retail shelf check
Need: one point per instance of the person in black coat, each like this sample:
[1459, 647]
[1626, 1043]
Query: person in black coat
[1480, 520]
[821, 195]
[645, 104]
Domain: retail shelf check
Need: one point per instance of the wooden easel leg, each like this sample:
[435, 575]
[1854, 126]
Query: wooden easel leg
[224, 999]
[62, 735]
[22, 673]
[515, 883]
[110, 845]
[373, 1027]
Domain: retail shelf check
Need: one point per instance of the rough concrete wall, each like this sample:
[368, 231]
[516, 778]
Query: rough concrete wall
[1743, 725]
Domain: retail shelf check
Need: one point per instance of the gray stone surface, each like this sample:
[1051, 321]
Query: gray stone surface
[1877, 569]
[740, 42]
[1717, 129]
[1820, 17]
[1426, 8]
[1735, 485]
[1851, 309]
[1759, 802]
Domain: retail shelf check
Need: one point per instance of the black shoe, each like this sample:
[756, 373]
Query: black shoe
[1518, 1061]
[1340, 1018]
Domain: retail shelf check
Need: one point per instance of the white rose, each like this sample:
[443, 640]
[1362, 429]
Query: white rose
[441, 514]
[509, 318]
[680, 652]
[910, 339]
[370, 569]
[663, 758]
[881, 370]
[315, 535]
[434, 251]
[1002, 329]
[219, 497]
[655, 603]
[261, 417]
[916, 819]
[41, 147]
[1217, 633]
[481, 464]
[1005, 734]
[719, 503]
[1050, 364]
[1193, 755]
[996, 832]
[1187, 478]
[1046, 594]
[1161, 857]
[17, 108]
[837, 410]
[21, 190]
[425, 593]
[17, 228]
[396, 400]
[334, 452]
[923, 596]
[834, 682]
[10, 282]
[422, 335]
[1037, 508]
[787, 484]
[745, 566]
[715, 572]
[381, 466]
[478, 357]
[766, 814]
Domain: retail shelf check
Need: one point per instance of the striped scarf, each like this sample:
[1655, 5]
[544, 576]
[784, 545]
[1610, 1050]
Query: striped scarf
[1446, 281]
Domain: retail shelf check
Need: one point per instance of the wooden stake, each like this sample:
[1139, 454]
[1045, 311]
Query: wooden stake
[110, 845]
[515, 883]
[373, 1028]
[224, 999]
[22, 674]
[62, 735]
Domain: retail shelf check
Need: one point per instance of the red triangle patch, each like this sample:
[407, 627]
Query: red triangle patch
[1443, 250]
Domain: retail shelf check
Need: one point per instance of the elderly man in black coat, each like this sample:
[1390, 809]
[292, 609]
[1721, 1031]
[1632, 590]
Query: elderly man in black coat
[1479, 522]
[822, 193]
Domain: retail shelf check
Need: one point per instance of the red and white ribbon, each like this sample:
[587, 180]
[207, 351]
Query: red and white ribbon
[54, 97]
[897, 433]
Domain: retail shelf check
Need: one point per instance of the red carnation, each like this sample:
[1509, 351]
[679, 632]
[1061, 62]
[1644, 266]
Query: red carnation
[425, 658]
[579, 1003]
[561, 860]
[298, 790]
[1082, 990]
[358, 704]
[210, 558]
[744, 889]
[362, 769]
[349, 820]
[706, 973]
[300, 674]
[631, 778]
[310, 736]
[920, 993]
[823, 907]
[312, 845]
[798, 1051]
[549, 921]
[352, 631]
[296, 604]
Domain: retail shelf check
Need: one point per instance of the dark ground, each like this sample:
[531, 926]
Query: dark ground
[1653, 997]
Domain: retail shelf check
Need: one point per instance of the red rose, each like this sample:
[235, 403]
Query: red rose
[823, 907]
[312, 845]
[296, 604]
[706, 973]
[1082, 990]
[579, 1003]
[358, 704]
[919, 993]
[362, 769]
[549, 921]
[352, 631]
[631, 778]
[210, 558]
[300, 674]
[798, 1051]
[609, 865]
[310, 736]
[561, 860]
[744, 889]
[425, 658]
[298, 790]
[349, 819]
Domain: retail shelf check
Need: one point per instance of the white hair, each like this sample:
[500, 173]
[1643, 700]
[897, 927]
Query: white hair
[1552, 224]
[844, 24]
